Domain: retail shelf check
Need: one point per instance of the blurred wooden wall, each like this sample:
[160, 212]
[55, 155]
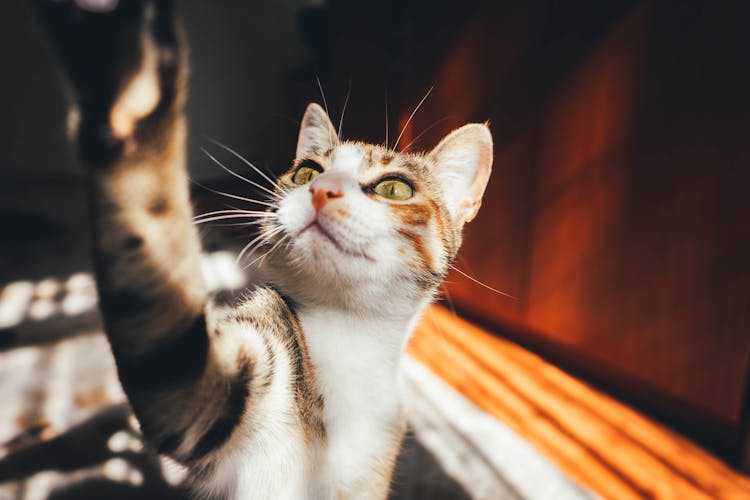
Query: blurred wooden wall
[617, 213]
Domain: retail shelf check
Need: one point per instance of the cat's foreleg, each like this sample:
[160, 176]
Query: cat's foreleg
[186, 382]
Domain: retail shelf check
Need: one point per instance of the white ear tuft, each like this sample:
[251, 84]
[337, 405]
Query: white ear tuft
[316, 134]
[463, 161]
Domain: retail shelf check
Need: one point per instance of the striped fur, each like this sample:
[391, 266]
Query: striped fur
[293, 392]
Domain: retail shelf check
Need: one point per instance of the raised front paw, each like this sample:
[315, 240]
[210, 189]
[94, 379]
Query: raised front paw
[124, 59]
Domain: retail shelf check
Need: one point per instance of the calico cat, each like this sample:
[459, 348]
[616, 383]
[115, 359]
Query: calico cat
[293, 392]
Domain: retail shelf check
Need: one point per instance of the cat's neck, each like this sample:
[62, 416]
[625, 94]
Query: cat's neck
[355, 338]
[355, 360]
[360, 346]
[386, 332]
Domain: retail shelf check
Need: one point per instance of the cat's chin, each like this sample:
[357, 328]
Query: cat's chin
[322, 239]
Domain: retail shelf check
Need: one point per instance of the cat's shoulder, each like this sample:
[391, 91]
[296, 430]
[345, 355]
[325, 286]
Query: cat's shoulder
[263, 308]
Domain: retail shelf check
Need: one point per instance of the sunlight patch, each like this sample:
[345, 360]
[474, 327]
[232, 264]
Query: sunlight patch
[76, 294]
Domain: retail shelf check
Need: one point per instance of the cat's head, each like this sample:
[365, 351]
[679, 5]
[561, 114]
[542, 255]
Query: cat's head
[359, 222]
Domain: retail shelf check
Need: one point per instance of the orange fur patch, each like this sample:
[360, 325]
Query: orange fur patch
[342, 211]
[418, 246]
[413, 214]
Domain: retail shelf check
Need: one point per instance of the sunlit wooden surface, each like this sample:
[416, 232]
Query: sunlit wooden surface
[598, 441]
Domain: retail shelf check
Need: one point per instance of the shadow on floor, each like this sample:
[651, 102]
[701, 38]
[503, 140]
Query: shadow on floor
[85, 466]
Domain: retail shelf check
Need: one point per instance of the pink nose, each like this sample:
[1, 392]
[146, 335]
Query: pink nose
[326, 187]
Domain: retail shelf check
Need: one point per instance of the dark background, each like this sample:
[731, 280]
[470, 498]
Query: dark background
[617, 214]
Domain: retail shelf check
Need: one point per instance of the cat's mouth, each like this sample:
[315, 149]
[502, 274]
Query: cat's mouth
[319, 229]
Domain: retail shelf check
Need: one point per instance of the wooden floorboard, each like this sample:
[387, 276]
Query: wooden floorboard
[602, 443]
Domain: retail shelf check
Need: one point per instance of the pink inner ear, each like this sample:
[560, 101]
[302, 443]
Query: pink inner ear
[463, 161]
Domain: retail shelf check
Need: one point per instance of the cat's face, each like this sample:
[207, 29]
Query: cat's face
[358, 221]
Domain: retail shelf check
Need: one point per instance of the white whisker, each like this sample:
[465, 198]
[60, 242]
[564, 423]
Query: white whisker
[224, 217]
[283, 239]
[482, 284]
[237, 224]
[325, 105]
[246, 162]
[252, 183]
[424, 132]
[322, 94]
[386, 120]
[343, 111]
[412, 116]
[232, 195]
[268, 252]
[237, 211]
[215, 219]
[260, 238]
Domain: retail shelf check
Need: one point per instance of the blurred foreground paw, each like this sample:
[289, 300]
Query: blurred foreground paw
[123, 60]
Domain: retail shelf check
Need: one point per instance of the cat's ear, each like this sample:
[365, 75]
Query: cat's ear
[316, 134]
[463, 162]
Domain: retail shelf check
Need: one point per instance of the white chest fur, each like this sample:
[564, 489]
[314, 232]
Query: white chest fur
[355, 361]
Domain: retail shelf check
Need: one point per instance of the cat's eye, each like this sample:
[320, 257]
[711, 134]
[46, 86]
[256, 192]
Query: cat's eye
[308, 171]
[394, 189]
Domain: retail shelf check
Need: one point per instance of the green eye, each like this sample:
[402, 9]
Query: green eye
[394, 189]
[305, 174]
